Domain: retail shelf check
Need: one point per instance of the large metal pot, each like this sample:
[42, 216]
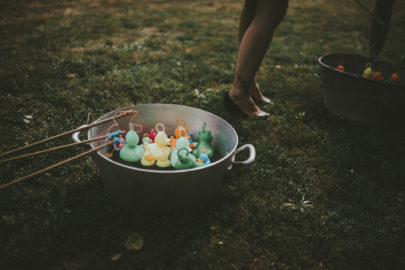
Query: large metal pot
[351, 96]
[142, 190]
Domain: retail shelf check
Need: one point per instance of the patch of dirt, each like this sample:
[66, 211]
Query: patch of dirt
[327, 6]
[200, 6]
[98, 44]
[150, 30]
[72, 11]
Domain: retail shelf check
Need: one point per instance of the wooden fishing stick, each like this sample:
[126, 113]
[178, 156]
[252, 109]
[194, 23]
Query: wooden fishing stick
[54, 165]
[121, 114]
[53, 149]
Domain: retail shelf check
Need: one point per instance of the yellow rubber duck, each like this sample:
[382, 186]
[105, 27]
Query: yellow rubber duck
[158, 151]
[368, 72]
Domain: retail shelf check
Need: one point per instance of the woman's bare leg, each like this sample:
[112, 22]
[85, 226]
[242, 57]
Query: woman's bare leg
[252, 49]
[246, 17]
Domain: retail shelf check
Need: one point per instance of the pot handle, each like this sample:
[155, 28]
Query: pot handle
[318, 76]
[249, 160]
[75, 136]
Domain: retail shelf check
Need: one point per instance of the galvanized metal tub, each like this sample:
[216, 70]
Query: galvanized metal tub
[351, 96]
[142, 190]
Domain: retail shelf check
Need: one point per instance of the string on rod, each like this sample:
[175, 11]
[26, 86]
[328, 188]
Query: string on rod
[121, 114]
[54, 165]
[51, 149]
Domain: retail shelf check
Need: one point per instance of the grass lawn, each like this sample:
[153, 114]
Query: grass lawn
[323, 193]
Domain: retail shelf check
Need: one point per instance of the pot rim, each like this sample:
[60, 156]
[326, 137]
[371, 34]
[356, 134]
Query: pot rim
[356, 76]
[100, 154]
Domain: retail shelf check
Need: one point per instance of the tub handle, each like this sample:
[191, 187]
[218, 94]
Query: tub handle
[249, 160]
[75, 136]
[318, 76]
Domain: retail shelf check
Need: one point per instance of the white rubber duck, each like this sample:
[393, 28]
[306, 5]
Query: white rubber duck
[181, 142]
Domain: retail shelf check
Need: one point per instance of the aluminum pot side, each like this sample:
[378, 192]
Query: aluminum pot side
[141, 192]
[153, 191]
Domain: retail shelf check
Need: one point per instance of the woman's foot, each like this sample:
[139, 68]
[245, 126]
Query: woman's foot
[257, 94]
[245, 103]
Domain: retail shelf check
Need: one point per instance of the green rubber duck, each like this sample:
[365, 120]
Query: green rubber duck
[131, 152]
[185, 160]
[204, 138]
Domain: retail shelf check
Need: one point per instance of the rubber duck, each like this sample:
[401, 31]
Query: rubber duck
[152, 135]
[340, 65]
[180, 126]
[203, 158]
[190, 138]
[185, 160]
[131, 151]
[395, 78]
[341, 68]
[204, 138]
[179, 131]
[158, 151]
[180, 143]
[368, 72]
[146, 139]
[378, 76]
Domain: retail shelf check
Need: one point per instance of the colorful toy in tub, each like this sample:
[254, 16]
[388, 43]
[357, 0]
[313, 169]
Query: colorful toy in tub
[203, 158]
[149, 137]
[119, 142]
[373, 73]
[179, 132]
[131, 151]
[146, 139]
[395, 78]
[340, 65]
[152, 135]
[204, 138]
[181, 127]
[185, 160]
[180, 143]
[368, 72]
[157, 152]
[377, 75]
